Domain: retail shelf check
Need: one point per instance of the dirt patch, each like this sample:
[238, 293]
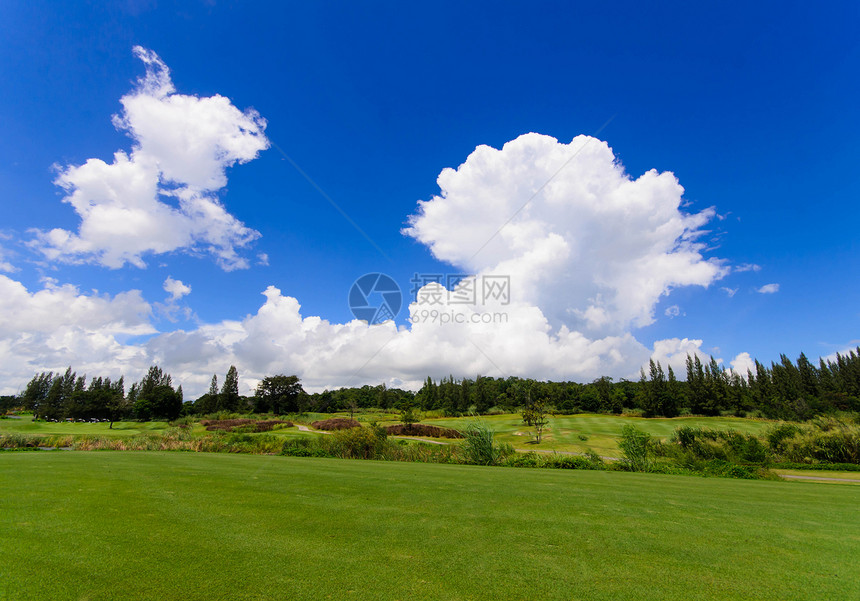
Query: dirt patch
[229, 425]
[336, 423]
[422, 430]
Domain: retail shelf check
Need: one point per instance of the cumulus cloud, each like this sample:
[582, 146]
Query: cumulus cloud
[674, 351]
[171, 307]
[580, 238]
[768, 289]
[176, 288]
[589, 251]
[278, 338]
[40, 333]
[162, 196]
[741, 363]
[672, 311]
[57, 326]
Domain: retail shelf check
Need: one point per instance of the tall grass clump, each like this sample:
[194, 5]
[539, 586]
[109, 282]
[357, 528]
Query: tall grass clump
[638, 449]
[693, 443]
[824, 439]
[479, 447]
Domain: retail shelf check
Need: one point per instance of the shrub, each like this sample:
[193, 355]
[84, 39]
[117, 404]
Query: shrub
[778, 434]
[336, 423]
[530, 459]
[829, 440]
[356, 443]
[726, 469]
[422, 430]
[574, 462]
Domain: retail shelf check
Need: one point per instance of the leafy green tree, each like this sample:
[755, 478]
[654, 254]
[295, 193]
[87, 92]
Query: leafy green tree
[534, 412]
[278, 394]
[117, 404]
[36, 390]
[166, 402]
[154, 397]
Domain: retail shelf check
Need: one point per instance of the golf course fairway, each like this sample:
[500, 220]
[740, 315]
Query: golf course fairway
[193, 526]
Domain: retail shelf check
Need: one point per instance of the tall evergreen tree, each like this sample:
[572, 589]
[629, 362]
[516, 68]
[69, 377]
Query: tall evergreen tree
[229, 400]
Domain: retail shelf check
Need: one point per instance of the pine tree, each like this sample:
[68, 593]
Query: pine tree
[229, 400]
[672, 402]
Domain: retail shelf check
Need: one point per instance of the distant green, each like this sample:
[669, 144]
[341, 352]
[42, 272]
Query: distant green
[193, 526]
[26, 425]
[601, 431]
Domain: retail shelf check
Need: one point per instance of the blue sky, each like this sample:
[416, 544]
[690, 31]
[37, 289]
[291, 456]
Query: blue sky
[752, 109]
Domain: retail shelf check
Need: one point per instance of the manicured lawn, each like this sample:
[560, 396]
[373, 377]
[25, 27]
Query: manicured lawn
[824, 476]
[563, 433]
[26, 425]
[601, 431]
[126, 525]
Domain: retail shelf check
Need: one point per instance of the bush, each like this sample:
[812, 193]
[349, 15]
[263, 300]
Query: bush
[726, 469]
[530, 459]
[336, 423]
[778, 434]
[356, 443]
[828, 440]
[575, 462]
[422, 430]
[724, 445]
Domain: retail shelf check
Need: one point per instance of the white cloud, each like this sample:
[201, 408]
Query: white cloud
[672, 311]
[674, 351]
[5, 265]
[741, 363]
[594, 248]
[768, 289]
[58, 326]
[171, 307]
[162, 196]
[176, 289]
[730, 292]
[278, 338]
[589, 258]
[746, 267]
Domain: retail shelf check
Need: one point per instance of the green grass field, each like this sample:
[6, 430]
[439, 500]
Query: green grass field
[125, 525]
[564, 433]
[822, 476]
[600, 431]
[26, 425]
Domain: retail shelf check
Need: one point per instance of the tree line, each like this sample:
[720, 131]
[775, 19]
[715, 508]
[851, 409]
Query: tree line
[790, 390]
